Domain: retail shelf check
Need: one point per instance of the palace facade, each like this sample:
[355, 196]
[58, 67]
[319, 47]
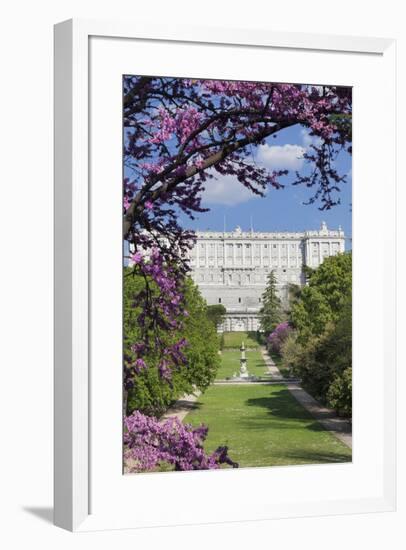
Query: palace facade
[231, 268]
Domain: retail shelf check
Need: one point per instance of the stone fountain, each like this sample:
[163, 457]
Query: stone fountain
[243, 374]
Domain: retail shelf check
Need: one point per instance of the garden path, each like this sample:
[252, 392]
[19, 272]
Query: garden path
[181, 407]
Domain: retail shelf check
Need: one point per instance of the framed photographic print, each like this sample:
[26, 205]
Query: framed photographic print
[224, 275]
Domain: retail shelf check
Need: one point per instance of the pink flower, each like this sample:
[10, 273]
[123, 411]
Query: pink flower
[126, 203]
[149, 205]
[136, 258]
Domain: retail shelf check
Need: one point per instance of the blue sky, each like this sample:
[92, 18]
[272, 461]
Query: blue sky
[279, 210]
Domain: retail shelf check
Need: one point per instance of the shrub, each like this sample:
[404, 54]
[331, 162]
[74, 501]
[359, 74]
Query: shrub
[320, 352]
[215, 314]
[150, 393]
[278, 336]
[290, 353]
[339, 395]
[150, 445]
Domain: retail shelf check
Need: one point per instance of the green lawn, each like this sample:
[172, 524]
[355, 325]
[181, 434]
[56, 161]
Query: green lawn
[230, 363]
[234, 339]
[264, 426]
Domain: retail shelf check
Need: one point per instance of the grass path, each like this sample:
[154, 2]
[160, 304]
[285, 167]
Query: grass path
[264, 425]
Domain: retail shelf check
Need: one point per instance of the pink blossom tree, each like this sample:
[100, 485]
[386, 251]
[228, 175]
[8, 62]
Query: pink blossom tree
[150, 444]
[181, 132]
[278, 336]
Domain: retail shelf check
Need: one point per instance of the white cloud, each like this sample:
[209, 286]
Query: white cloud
[226, 190]
[308, 140]
[229, 191]
[281, 157]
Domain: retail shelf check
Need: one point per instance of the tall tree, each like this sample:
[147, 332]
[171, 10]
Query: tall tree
[271, 311]
[320, 350]
[216, 314]
[322, 300]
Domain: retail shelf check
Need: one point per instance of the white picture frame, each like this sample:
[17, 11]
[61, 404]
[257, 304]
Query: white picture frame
[77, 500]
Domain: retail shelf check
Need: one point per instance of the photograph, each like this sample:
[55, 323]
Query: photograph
[237, 274]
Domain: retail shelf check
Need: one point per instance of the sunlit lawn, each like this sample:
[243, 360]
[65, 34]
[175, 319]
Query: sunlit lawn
[230, 363]
[234, 339]
[263, 425]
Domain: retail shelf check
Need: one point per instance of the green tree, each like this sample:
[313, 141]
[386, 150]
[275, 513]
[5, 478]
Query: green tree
[320, 349]
[215, 314]
[271, 311]
[294, 292]
[322, 300]
[151, 394]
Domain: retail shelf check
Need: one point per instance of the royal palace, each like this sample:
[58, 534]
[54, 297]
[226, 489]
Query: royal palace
[231, 268]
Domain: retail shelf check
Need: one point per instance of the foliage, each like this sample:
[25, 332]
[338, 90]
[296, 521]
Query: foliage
[323, 299]
[323, 360]
[178, 134]
[271, 311]
[150, 443]
[319, 350]
[150, 393]
[294, 292]
[216, 314]
[278, 336]
[339, 395]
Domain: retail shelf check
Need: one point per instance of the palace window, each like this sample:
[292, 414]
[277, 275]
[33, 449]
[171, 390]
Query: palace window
[219, 300]
[239, 300]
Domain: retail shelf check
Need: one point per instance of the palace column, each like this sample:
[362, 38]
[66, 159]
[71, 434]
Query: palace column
[308, 255]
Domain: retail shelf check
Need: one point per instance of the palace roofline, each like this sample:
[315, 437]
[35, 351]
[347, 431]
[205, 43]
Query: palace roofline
[238, 233]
